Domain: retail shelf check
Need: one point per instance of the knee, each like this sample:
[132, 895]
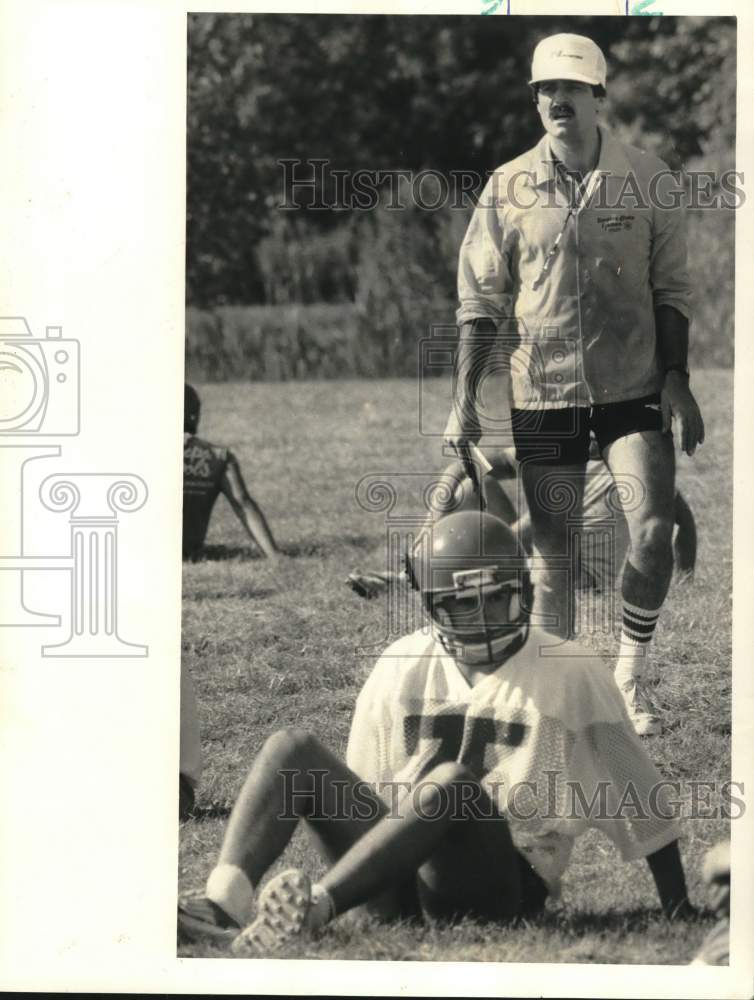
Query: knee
[292, 744]
[440, 781]
[654, 534]
[448, 773]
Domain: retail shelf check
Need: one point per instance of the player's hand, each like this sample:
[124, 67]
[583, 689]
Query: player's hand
[463, 429]
[463, 426]
[677, 401]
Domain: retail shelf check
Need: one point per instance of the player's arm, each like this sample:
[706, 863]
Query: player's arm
[246, 510]
[684, 542]
[677, 398]
[484, 282]
[671, 295]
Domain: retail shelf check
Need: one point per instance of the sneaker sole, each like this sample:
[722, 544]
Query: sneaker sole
[283, 906]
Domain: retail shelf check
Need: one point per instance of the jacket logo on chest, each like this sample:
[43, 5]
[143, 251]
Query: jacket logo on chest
[615, 223]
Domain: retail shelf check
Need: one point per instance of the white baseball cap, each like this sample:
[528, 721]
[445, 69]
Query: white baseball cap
[569, 57]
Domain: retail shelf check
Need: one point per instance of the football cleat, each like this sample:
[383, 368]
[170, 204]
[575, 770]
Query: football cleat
[199, 917]
[642, 710]
[282, 911]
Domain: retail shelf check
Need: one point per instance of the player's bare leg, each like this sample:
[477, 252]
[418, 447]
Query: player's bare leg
[645, 463]
[553, 494]
[445, 846]
[448, 831]
[293, 778]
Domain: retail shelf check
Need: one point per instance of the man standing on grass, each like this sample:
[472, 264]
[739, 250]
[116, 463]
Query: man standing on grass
[474, 761]
[577, 253]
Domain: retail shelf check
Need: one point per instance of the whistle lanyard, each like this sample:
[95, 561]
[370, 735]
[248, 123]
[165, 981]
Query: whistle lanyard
[553, 251]
[576, 193]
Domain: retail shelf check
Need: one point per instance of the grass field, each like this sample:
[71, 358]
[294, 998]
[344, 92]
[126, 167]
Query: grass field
[271, 647]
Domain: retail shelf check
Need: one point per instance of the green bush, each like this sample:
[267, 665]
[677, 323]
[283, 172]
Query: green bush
[712, 266]
[392, 276]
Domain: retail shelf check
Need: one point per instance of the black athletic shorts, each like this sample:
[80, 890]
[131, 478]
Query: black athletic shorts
[561, 437]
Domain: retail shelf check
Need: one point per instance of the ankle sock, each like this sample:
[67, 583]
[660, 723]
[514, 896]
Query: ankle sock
[636, 635]
[322, 909]
[229, 887]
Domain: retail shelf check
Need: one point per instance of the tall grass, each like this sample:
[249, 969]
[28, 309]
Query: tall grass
[355, 301]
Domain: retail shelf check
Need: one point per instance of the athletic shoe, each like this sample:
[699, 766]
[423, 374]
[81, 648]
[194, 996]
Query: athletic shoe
[282, 910]
[199, 917]
[641, 708]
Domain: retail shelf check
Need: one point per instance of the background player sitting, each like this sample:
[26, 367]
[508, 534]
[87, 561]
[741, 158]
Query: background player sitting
[209, 470]
[446, 805]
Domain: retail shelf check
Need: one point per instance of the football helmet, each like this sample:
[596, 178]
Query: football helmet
[475, 586]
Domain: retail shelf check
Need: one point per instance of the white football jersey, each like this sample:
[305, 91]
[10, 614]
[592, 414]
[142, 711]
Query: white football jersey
[547, 734]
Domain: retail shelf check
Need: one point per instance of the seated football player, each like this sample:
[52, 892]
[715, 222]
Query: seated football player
[474, 761]
[208, 471]
[603, 544]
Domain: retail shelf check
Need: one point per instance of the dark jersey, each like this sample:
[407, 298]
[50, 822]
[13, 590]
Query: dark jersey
[204, 466]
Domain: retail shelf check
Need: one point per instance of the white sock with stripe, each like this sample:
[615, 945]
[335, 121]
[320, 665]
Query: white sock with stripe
[636, 635]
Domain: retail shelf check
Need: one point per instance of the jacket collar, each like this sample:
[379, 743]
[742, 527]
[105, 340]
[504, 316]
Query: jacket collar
[612, 159]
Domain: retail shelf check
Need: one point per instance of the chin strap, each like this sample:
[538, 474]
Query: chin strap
[458, 650]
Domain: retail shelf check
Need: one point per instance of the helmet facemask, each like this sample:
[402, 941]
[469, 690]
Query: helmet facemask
[473, 577]
[483, 619]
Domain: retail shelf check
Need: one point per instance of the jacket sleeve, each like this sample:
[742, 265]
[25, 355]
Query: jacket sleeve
[484, 279]
[668, 273]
